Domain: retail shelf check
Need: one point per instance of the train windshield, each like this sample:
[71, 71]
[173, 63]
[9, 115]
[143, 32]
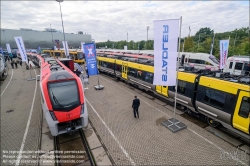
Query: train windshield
[64, 96]
[80, 55]
[214, 59]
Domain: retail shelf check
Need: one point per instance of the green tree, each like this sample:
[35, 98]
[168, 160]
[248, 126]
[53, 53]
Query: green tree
[189, 45]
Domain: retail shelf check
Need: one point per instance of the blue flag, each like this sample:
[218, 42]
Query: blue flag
[90, 55]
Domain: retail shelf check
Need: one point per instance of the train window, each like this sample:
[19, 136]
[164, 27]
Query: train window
[230, 65]
[247, 66]
[148, 77]
[244, 107]
[132, 72]
[57, 54]
[238, 66]
[111, 65]
[215, 98]
[59, 100]
[118, 68]
[139, 74]
[80, 55]
[198, 61]
[207, 63]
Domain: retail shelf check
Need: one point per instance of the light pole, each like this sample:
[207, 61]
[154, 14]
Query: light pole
[61, 17]
[4, 36]
[147, 32]
[51, 33]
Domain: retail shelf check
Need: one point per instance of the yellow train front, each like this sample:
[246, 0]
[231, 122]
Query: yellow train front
[77, 55]
[220, 101]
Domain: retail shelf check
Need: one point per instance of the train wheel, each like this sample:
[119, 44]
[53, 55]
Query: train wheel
[212, 122]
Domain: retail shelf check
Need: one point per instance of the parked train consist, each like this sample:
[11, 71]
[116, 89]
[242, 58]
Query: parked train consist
[76, 54]
[197, 60]
[219, 97]
[62, 96]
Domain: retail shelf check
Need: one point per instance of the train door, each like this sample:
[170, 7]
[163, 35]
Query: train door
[182, 59]
[162, 90]
[241, 117]
[125, 70]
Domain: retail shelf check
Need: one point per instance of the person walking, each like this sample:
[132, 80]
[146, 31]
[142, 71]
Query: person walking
[12, 64]
[135, 106]
[16, 61]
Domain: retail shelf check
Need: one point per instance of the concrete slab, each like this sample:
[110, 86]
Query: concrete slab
[47, 158]
[45, 127]
[92, 139]
[101, 157]
[47, 142]
[223, 136]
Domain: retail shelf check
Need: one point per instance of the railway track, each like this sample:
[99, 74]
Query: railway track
[197, 119]
[72, 149]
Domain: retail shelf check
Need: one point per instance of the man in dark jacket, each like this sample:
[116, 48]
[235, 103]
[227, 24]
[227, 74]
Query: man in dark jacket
[135, 106]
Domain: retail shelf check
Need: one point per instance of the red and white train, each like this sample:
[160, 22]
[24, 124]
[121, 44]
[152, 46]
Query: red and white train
[62, 95]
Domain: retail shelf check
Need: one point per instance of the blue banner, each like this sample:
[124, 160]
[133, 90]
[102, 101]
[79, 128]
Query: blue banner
[90, 55]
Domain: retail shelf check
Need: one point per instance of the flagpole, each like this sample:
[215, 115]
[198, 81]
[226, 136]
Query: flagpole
[177, 68]
[212, 46]
[174, 124]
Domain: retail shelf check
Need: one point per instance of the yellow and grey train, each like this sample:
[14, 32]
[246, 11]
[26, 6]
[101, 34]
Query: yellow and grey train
[76, 54]
[217, 96]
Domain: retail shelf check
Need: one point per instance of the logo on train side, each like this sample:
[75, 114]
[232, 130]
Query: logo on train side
[90, 51]
[69, 115]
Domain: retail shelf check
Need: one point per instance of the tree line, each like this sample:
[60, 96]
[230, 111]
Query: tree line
[200, 42]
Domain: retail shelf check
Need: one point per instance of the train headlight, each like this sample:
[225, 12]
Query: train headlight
[82, 109]
[53, 115]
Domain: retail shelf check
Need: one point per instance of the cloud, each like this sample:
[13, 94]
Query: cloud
[114, 19]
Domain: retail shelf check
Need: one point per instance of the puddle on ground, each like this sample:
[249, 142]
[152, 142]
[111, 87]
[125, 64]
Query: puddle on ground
[159, 120]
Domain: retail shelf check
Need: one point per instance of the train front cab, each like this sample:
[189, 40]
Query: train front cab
[63, 113]
[225, 103]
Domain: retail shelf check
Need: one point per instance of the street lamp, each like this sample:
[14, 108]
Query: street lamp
[147, 32]
[61, 17]
[4, 37]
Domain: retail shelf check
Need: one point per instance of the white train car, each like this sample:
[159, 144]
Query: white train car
[238, 65]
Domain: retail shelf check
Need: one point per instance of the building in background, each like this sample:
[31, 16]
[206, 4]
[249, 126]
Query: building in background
[34, 38]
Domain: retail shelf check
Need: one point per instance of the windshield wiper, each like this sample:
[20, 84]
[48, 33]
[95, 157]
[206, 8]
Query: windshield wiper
[56, 101]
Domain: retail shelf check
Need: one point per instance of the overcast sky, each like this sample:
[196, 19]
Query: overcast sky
[114, 19]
